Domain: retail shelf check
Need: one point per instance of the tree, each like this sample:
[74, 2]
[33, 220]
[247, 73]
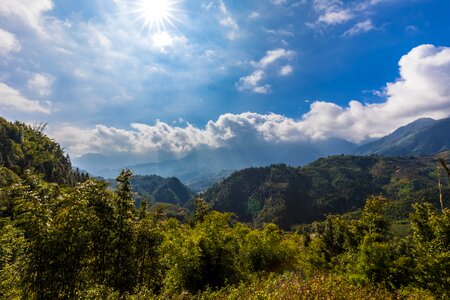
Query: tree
[201, 210]
[123, 275]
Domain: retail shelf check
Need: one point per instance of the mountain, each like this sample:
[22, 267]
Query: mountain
[23, 147]
[294, 195]
[421, 137]
[160, 190]
[205, 166]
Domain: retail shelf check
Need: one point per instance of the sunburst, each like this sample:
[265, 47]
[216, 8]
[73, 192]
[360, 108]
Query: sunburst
[157, 15]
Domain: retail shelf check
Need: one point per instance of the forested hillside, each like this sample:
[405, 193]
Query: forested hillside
[23, 147]
[158, 189]
[287, 195]
[88, 242]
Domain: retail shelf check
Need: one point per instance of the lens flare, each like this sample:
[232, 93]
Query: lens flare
[157, 15]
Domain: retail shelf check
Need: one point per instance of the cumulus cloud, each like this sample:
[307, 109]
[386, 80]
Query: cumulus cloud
[359, 28]
[331, 12]
[226, 130]
[28, 12]
[8, 43]
[252, 82]
[13, 100]
[423, 90]
[41, 83]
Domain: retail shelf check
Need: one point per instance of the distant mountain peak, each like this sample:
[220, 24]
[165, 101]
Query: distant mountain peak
[424, 136]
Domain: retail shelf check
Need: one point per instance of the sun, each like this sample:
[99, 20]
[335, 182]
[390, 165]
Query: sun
[157, 15]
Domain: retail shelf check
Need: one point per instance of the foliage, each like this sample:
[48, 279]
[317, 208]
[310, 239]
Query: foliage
[288, 196]
[90, 242]
[23, 147]
[159, 189]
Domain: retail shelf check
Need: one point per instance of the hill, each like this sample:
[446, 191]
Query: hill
[421, 137]
[23, 147]
[159, 190]
[294, 195]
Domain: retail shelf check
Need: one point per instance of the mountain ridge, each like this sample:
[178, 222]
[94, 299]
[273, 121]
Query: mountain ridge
[420, 138]
[288, 195]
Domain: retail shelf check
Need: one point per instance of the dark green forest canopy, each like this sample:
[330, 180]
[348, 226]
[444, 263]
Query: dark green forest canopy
[289, 195]
[23, 147]
[88, 242]
[157, 189]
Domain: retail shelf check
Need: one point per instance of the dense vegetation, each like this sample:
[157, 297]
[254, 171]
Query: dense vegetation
[89, 242]
[23, 147]
[156, 189]
[288, 195]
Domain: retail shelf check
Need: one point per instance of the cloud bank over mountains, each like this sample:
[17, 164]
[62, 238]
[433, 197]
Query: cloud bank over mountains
[422, 90]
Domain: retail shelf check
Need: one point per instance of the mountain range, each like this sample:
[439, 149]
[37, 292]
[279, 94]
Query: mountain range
[205, 166]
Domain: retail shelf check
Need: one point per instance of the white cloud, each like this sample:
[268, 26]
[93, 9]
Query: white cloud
[335, 17]
[337, 12]
[359, 28]
[226, 130]
[11, 99]
[331, 12]
[278, 2]
[28, 12]
[8, 43]
[279, 32]
[252, 83]
[163, 40]
[41, 83]
[423, 90]
[228, 21]
[275, 55]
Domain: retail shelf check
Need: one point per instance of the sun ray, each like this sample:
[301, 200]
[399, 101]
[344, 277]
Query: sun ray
[157, 15]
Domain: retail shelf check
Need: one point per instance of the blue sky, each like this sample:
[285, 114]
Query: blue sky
[278, 69]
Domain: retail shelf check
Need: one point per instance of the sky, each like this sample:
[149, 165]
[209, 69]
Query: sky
[141, 76]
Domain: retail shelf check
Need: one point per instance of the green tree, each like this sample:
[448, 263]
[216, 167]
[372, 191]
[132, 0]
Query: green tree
[123, 273]
[431, 248]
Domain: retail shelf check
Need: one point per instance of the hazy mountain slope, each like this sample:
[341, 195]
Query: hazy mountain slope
[205, 166]
[421, 137]
[289, 195]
